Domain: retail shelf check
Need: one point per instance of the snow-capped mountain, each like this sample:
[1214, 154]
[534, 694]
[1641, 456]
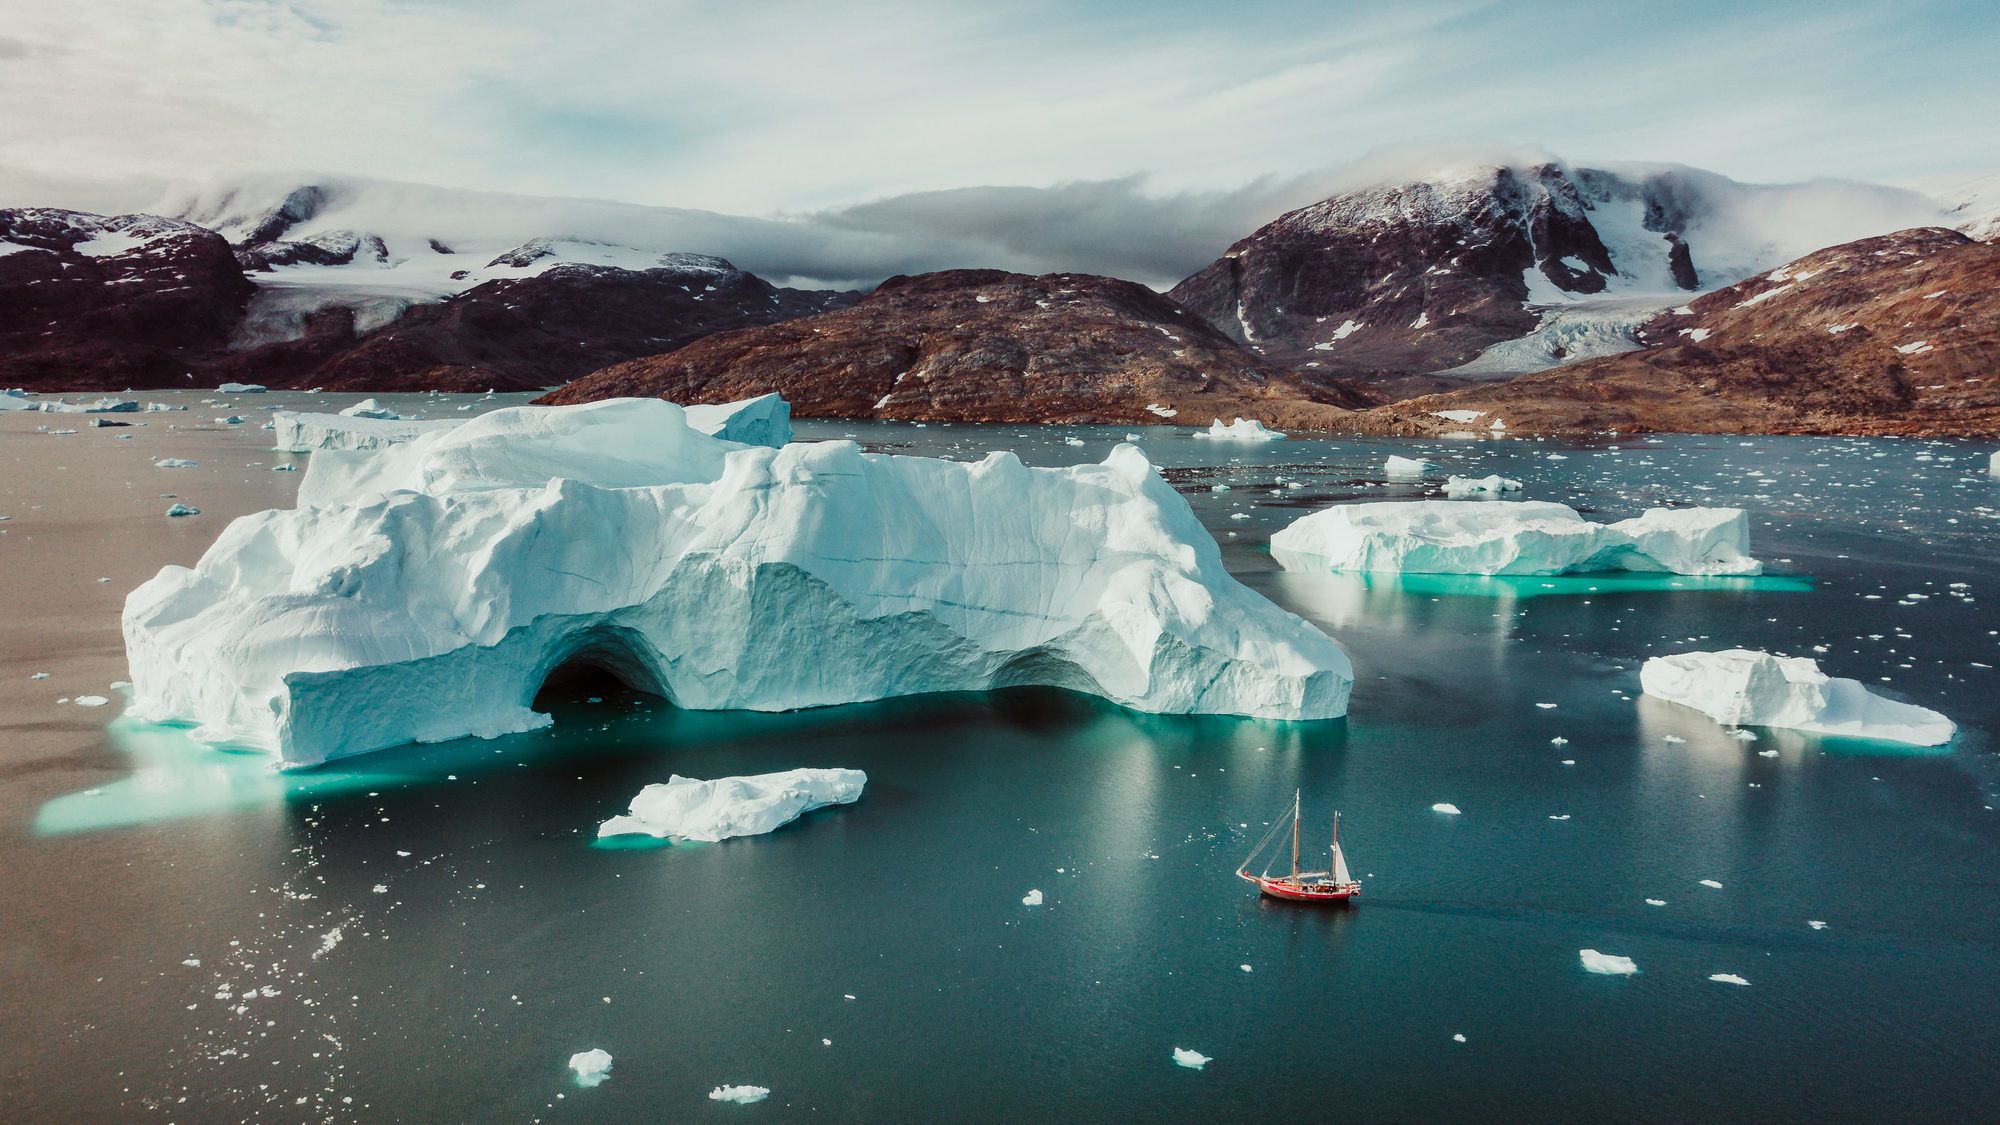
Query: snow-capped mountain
[1500, 268]
[1975, 207]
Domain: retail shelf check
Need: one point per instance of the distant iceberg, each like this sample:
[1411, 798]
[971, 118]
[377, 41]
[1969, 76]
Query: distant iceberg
[426, 591]
[1739, 687]
[370, 408]
[1514, 537]
[368, 425]
[1405, 468]
[687, 808]
[1242, 429]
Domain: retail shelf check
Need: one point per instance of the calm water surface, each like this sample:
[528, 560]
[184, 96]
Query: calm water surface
[430, 933]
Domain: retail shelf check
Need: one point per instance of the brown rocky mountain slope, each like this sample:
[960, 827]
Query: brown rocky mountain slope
[981, 346]
[1898, 334]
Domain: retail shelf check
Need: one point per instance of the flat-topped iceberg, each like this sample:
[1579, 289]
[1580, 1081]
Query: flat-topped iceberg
[1514, 537]
[1740, 687]
[687, 808]
[431, 594]
[1405, 468]
[242, 389]
[1242, 429]
[309, 433]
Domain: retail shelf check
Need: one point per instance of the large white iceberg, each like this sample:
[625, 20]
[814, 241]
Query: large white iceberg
[688, 808]
[431, 593]
[1514, 537]
[1242, 429]
[1740, 687]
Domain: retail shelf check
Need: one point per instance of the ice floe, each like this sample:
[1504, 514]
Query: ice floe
[1446, 808]
[1242, 429]
[1492, 485]
[426, 591]
[592, 1067]
[1609, 964]
[741, 1095]
[1514, 537]
[687, 808]
[1193, 1060]
[242, 389]
[1739, 687]
[1728, 978]
[1032, 898]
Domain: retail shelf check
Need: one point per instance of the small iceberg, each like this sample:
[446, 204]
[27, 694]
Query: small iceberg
[592, 1067]
[1032, 898]
[175, 463]
[687, 808]
[1739, 687]
[1492, 485]
[1242, 429]
[370, 408]
[1728, 978]
[1193, 1060]
[741, 1095]
[1445, 807]
[1406, 468]
[1607, 964]
[242, 389]
[1514, 537]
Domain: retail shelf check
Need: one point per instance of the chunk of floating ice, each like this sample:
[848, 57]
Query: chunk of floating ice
[1032, 898]
[1458, 1038]
[1564, 816]
[175, 463]
[687, 808]
[242, 389]
[1193, 1060]
[1405, 468]
[370, 408]
[741, 1095]
[1727, 978]
[1546, 706]
[1514, 537]
[1446, 808]
[1656, 902]
[1609, 964]
[1711, 883]
[1767, 753]
[1738, 686]
[90, 701]
[1245, 968]
[424, 592]
[1242, 429]
[180, 509]
[592, 1067]
[1480, 486]
[1817, 925]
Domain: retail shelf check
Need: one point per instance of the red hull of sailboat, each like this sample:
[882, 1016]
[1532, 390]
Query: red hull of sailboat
[1279, 888]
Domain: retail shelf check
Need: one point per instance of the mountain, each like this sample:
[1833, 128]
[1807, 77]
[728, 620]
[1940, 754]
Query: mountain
[111, 301]
[1897, 334]
[980, 346]
[105, 302]
[1495, 270]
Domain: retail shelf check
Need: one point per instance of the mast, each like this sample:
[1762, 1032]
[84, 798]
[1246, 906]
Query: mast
[1295, 835]
[1333, 855]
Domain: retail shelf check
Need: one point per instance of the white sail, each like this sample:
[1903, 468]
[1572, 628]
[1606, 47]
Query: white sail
[1340, 874]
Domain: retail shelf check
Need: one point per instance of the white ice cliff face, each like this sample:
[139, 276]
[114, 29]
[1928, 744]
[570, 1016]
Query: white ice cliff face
[688, 808]
[1740, 687]
[367, 425]
[427, 590]
[1514, 537]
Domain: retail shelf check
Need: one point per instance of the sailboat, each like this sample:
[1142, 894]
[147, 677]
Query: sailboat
[1331, 885]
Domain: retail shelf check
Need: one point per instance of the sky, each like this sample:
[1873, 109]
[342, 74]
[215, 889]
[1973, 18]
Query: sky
[776, 109]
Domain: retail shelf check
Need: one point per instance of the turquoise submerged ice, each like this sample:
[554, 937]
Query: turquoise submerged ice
[425, 591]
[1514, 537]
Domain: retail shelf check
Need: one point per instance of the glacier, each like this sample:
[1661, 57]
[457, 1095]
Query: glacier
[427, 590]
[687, 808]
[1514, 537]
[1741, 687]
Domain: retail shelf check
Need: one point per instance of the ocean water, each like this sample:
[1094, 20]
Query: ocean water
[439, 931]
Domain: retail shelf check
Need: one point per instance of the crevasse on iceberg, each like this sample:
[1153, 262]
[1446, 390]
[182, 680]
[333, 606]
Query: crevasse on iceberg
[1513, 537]
[1742, 687]
[426, 592]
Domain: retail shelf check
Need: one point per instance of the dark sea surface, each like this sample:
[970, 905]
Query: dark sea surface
[430, 933]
